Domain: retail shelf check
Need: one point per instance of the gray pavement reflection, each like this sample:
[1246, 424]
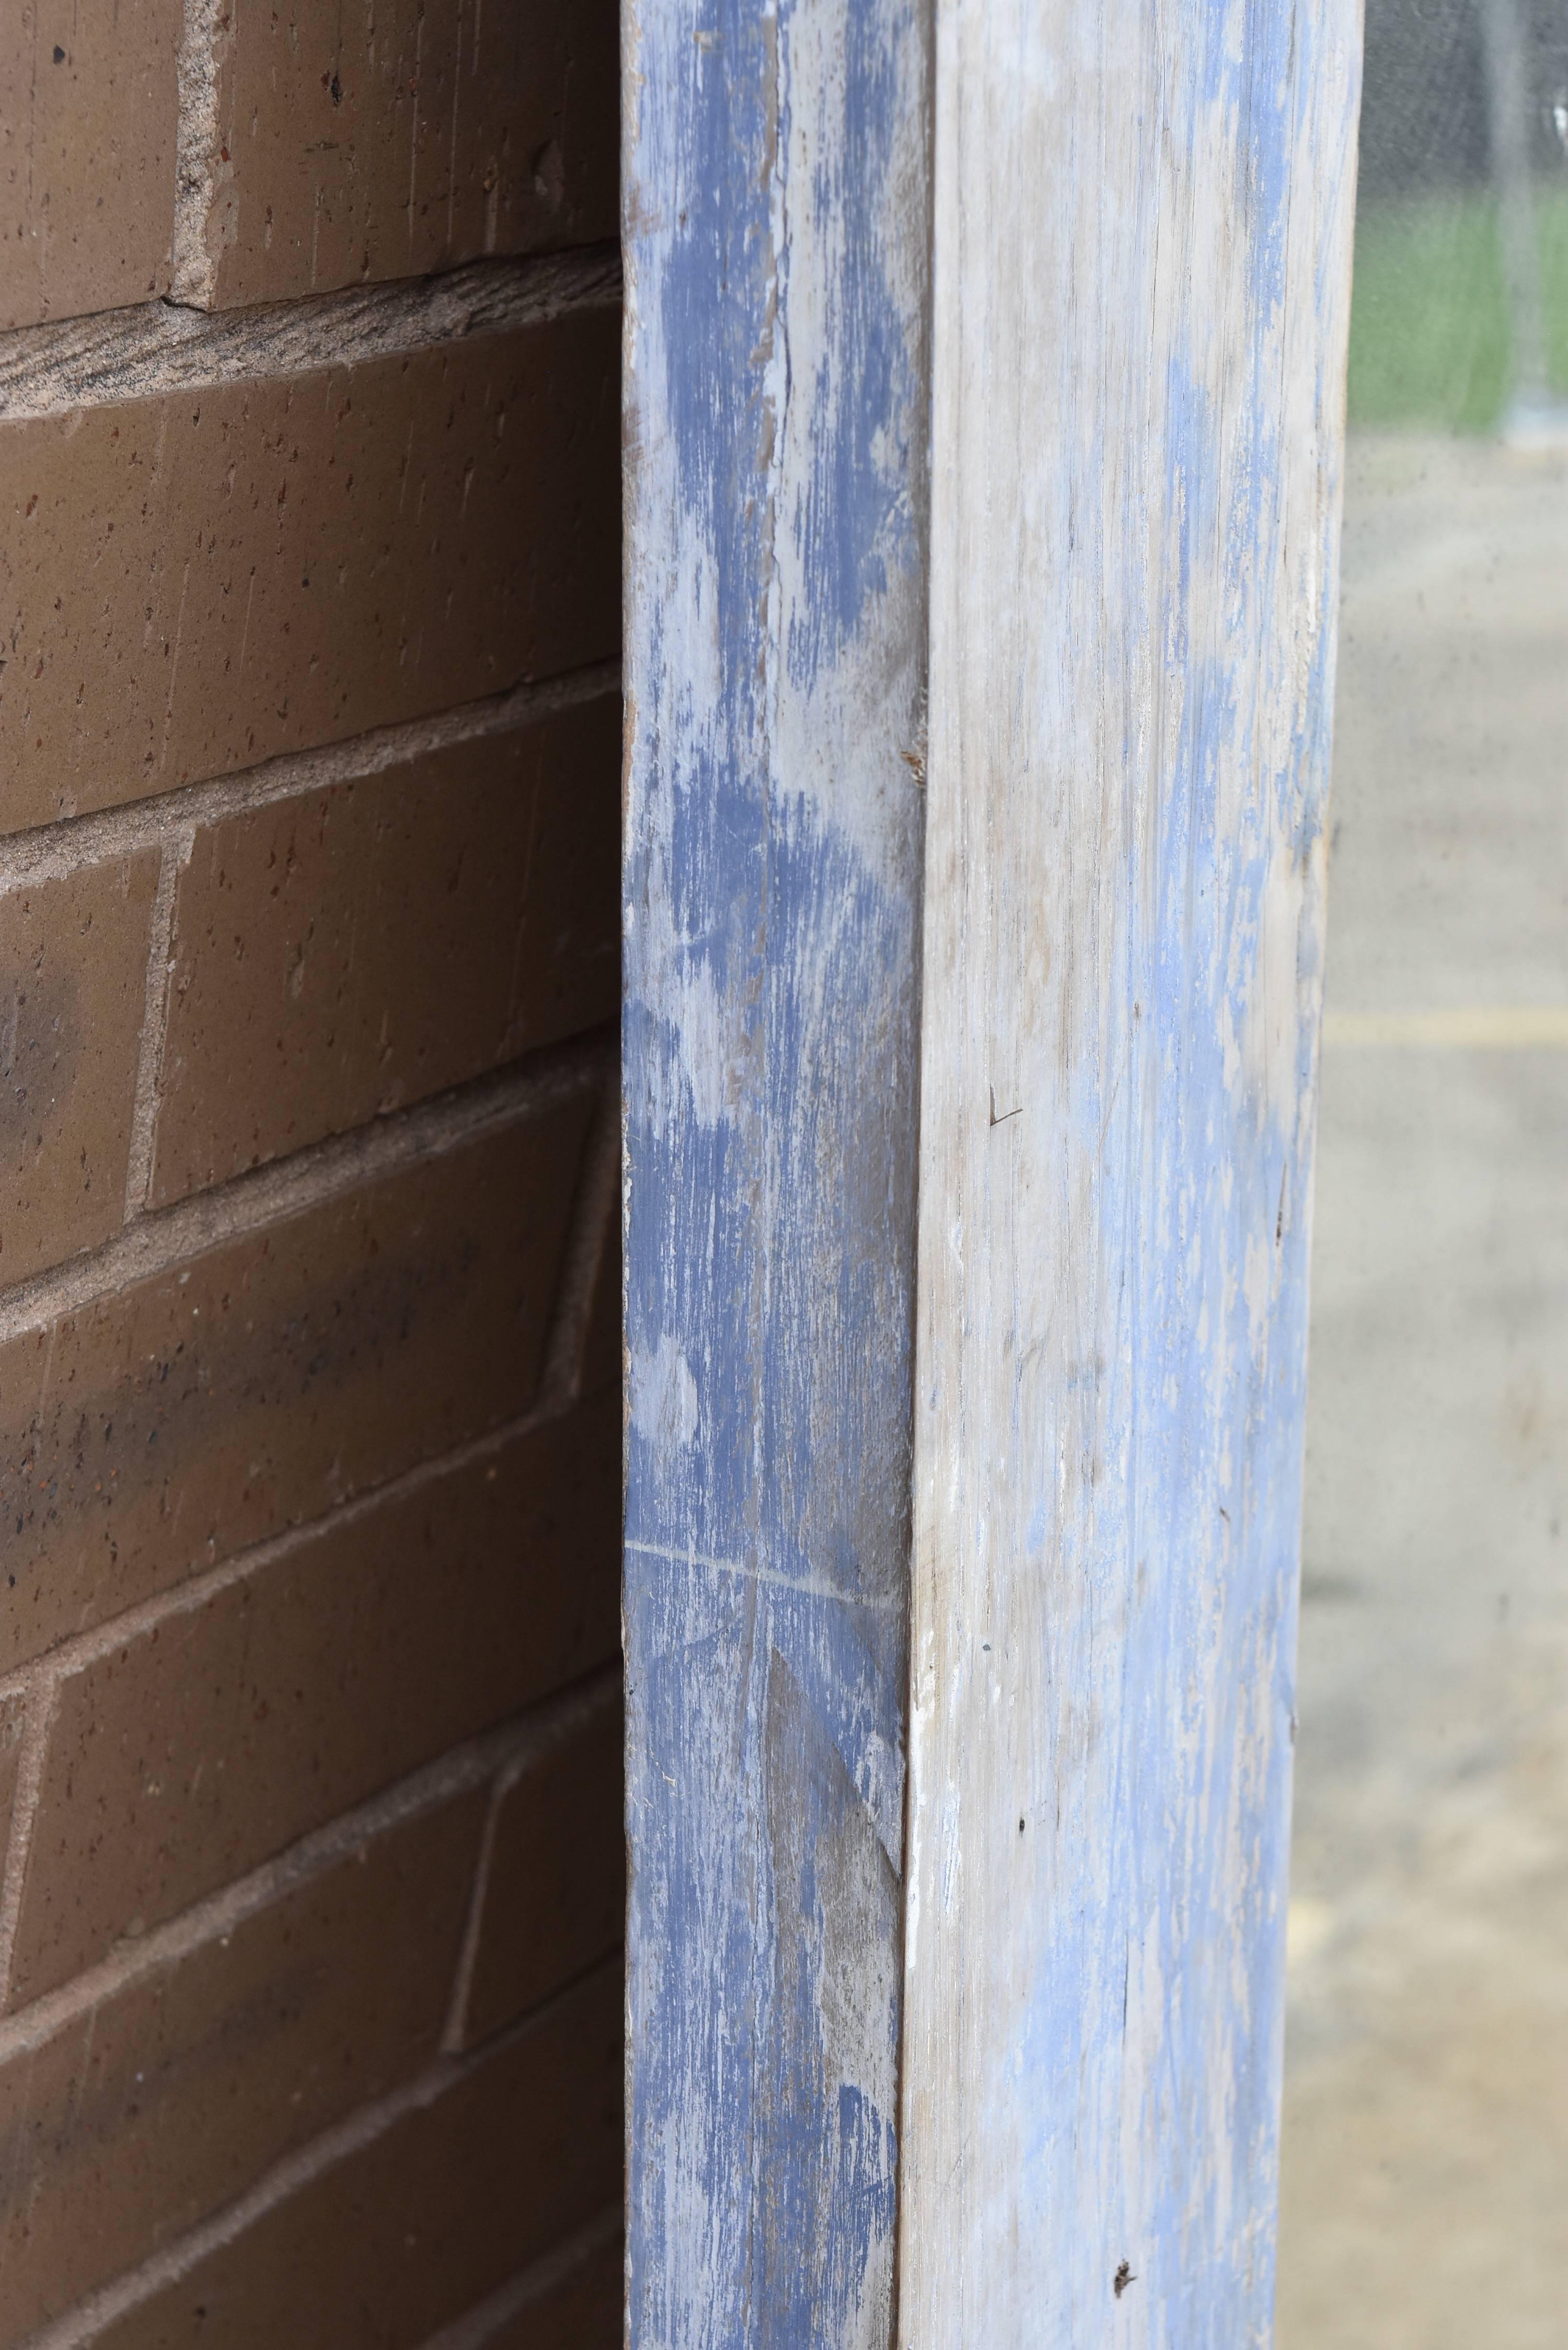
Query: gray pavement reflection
[1425, 2188]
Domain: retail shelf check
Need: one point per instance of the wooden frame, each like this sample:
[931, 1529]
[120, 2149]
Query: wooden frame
[776, 390]
[1141, 230]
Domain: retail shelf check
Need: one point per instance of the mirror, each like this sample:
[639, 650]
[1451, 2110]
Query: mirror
[1424, 2158]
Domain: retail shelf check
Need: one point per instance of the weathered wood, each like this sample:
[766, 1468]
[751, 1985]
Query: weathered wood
[776, 225]
[1140, 301]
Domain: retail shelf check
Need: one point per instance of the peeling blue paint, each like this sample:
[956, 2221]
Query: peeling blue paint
[775, 394]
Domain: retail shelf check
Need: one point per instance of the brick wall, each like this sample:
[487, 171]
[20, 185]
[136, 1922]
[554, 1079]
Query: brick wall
[310, 1987]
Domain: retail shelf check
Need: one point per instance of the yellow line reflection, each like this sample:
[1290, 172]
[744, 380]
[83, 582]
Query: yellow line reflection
[1470, 1028]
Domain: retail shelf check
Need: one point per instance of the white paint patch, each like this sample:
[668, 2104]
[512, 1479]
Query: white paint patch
[662, 1395]
[707, 1053]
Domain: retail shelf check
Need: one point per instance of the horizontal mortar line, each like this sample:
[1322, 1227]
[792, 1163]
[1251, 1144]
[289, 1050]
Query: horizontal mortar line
[478, 2326]
[79, 1650]
[50, 852]
[813, 1587]
[169, 1237]
[1457, 1028]
[86, 2324]
[160, 347]
[523, 1738]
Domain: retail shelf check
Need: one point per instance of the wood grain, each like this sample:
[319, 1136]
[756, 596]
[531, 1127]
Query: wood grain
[776, 194]
[1140, 300]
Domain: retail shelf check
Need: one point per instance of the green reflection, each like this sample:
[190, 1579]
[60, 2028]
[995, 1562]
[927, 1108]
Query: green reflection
[1428, 318]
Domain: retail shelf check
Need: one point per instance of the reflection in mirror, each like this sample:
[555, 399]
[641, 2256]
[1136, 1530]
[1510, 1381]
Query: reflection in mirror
[1426, 2138]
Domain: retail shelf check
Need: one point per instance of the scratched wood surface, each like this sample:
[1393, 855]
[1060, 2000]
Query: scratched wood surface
[777, 220]
[1141, 278]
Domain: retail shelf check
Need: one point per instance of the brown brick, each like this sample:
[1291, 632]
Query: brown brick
[193, 582]
[579, 2311]
[201, 1409]
[430, 2217]
[343, 954]
[87, 109]
[383, 144]
[168, 2097]
[213, 1741]
[73, 967]
[555, 1894]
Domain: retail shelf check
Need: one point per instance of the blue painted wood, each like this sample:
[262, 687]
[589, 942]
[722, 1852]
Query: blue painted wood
[776, 230]
[1142, 260]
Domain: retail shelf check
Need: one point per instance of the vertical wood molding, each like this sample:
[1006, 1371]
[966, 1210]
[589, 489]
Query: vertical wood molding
[776, 222]
[1141, 283]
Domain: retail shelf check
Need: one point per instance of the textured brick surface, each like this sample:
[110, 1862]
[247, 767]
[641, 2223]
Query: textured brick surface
[169, 2097]
[191, 582]
[206, 1744]
[424, 2222]
[343, 954]
[88, 110]
[359, 142]
[580, 2311]
[166, 1426]
[299, 548]
[555, 1894]
[73, 969]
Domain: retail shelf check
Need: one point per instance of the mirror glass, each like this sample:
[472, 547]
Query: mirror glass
[1424, 2158]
